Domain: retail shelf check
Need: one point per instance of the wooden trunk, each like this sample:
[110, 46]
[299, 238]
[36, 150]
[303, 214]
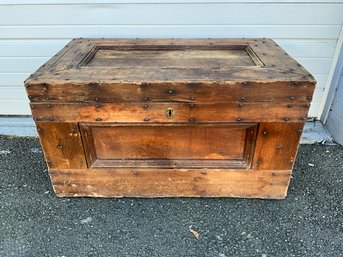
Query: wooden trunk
[170, 117]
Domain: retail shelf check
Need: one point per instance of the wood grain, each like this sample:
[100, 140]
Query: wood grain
[267, 184]
[156, 112]
[62, 145]
[278, 66]
[169, 145]
[277, 145]
[192, 58]
[197, 92]
[170, 117]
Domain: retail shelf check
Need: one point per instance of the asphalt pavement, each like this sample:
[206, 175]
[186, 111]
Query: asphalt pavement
[35, 222]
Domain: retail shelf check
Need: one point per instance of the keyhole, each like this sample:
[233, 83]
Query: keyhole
[170, 113]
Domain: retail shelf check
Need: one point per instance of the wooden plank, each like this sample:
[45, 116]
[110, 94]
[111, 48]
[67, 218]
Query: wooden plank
[235, 55]
[17, 92]
[268, 184]
[62, 145]
[120, 59]
[192, 92]
[183, 112]
[168, 142]
[169, 145]
[277, 145]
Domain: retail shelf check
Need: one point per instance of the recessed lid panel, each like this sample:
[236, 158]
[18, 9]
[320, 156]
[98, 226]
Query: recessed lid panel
[119, 58]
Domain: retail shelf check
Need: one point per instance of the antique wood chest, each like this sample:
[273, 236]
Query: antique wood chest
[170, 117]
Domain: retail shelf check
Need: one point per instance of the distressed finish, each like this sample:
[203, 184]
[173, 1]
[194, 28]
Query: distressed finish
[169, 145]
[268, 184]
[170, 117]
[62, 145]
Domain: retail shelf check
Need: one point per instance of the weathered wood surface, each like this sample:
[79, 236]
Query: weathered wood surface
[268, 184]
[169, 145]
[170, 117]
[202, 92]
[277, 145]
[191, 58]
[62, 145]
[70, 64]
[183, 112]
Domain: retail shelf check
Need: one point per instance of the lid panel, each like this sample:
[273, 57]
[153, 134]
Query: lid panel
[160, 60]
[173, 58]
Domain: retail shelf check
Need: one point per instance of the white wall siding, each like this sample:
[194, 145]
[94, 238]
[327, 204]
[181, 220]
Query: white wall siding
[335, 119]
[31, 31]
